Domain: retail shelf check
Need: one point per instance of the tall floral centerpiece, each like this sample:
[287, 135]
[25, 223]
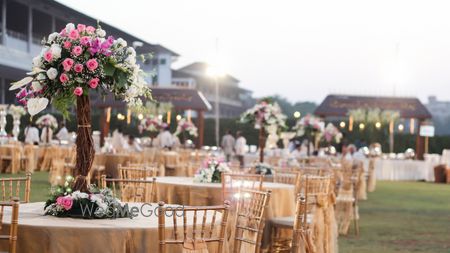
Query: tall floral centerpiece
[16, 112]
[72, 63]
[211, 171]
[264, 115]
[185, 128]
[46, 122]
[151, 124]
[311, 128]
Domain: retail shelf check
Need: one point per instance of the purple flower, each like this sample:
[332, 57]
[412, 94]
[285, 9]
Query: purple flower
[95, 46]
[110, 40]
[22, 93]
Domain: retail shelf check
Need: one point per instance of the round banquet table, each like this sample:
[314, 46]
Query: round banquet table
[48, 234]
[184, 191]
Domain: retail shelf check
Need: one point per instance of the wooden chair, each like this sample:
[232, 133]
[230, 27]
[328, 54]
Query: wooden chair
[292, 178]
[197, 236]
[312, 188]
[232, 182]
[131, 190]
[12, 235]
[19, 187]
[302, 240]
[250, 220]
[137, 172]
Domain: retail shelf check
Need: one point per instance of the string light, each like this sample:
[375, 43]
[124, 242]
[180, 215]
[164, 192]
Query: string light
[297, 114]
[361, 126]
[378, 125]
[342, 124]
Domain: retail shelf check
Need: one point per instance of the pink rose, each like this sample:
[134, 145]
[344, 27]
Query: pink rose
[92, 64]
[78, 91]
[63, 78]
[94, 82]
[77, 50]
[67, 44]
[81, 28]
[65, 202]
[85, 40]
[78, 68]
[63, 32]
[48, 56]
[90, 29]
[67, 64]
[74, 34]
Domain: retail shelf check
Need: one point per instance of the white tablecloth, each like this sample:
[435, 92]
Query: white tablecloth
[404, 170]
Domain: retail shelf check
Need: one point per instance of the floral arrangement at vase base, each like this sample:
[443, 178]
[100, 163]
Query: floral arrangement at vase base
[98, 204]
[263, 169]
[211, 172]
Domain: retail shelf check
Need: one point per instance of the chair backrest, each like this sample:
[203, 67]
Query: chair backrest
[292, 178]
[250, 220]
[18, 187]
[131, 190]
[211, 230]
[233, 182]
[315, 186]
[12, 235]
[135, 171]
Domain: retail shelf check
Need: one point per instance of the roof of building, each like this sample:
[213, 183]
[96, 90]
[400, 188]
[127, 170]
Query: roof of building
[202, 67]
[181, 74]
[76, 15]
[181, 98]
[339, 105]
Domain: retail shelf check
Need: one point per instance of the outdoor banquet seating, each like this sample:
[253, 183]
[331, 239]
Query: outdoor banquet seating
[16, 187]
[232, 183]
[250, 220]
[195, 237]
[131, 190]
[137, 171]
[11, 236]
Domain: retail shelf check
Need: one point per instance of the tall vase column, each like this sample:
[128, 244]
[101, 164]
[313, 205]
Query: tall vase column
[16, 127]
[262, 143]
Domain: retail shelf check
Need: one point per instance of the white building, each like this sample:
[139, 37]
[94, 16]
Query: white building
[23, 24]
[233, 99]
[441, 114]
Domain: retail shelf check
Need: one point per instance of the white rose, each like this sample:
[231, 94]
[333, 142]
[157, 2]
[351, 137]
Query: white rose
[100, 32]
[130, 60]
[52, 37]
[36, 86]
[121, 42]
[37, 61]
[43, 50]
[56, 51]
[70, 27]
[131, 51]
[52, 73]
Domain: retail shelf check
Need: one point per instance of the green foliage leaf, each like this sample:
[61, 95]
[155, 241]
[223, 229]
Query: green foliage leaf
[109, 69]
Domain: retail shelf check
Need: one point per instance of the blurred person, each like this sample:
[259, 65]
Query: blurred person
[300, 151]
[165, 138]
[63, 134]
[133, 144]
[118, 140]
[31, 134]
[349, 152]
[240, 147]
[227, 144]
[46, 135]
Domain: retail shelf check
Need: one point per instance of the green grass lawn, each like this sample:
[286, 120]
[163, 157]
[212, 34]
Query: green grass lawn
[403, 217]
[397, 217]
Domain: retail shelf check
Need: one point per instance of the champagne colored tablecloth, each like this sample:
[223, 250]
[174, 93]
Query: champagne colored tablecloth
[183, 191]
[47, 234]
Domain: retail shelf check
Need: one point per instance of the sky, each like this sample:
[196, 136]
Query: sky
[302, 50]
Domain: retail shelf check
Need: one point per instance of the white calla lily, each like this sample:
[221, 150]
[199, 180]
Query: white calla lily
[36, 105]
[19, 84]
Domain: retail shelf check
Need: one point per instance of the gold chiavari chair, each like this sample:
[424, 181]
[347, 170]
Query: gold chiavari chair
[347, 199]
[131, 190]
[311, 188]
[233, 182]
[292, 178]
[250, 220]
[18, 187]
[133, 171]
[302, 238]
[12, 235]
[193, 239]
